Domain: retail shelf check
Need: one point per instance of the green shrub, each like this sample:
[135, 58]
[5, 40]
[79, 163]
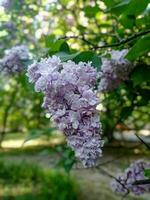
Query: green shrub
[47, 184]
[17, 173]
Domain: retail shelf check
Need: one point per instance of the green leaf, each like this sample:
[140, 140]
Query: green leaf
[91, 11]
[126, 112]
[49, 40]
[130, 7]
[64, 47]
[140, 74]
[27, 62]
[89, 56]
[147, 173]
[127, 21]
[144, 20]
[136, 7]
[145, 97]
[81, 28]
[67, 158]
[55, 45]
[81, 57]
[96, 61]
[129, 10]
[37, 133]
[120, 7]
[32, 136]
[110, 3]
[141, 47]
[65, 56]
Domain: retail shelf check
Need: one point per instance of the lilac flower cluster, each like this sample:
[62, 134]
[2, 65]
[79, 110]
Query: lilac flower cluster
[114, 70]
[12, 62]
[5, 3]
[9, 25]
[70, 98]
[135, 172]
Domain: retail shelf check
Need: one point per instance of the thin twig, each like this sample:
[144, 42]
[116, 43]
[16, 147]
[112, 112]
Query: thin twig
[142, 182]
[123, 41]
[111, 176]
[146, 144]
[78, 38]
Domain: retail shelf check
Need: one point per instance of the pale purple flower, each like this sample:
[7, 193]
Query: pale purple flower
[114, 70]
[9, 25]
[70, 98]
[13, 60]
[134, 172]
[5, 3]
[20, 50]
[43, 69]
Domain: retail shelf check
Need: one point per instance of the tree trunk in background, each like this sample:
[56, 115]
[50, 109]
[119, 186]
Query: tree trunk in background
[6, 114]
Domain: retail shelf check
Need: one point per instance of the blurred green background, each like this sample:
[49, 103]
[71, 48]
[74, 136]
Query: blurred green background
[34, 160]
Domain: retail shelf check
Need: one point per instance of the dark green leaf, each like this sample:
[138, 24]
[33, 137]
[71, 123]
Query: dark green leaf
[89, 56]
[56, 45]
[64, 47]
[49, 40]
[145, 94]
[141, 47]
[96, 61]
[65, 56]
[111, 3]
[136, 7]
[67, 158]
[127, 21]
[120, 7]
[126, 112]
[91, 11]
[33, 136]
[147, 173]
[140, 74]
[37, 133]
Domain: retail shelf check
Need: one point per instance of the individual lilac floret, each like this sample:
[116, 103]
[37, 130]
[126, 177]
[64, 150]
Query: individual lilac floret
[114, 70]
[40, 72]
[70, 98]
[12, 62]
[134, 172]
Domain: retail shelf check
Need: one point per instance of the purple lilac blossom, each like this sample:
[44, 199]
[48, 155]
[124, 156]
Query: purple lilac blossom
[8, 4]
[9, 25]
[5, 3]
[70, 98]
[12, 62]
[114, 70]
[134, 172]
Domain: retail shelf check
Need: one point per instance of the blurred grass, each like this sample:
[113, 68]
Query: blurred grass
[26, 150]
[28, 181]
[15, 136]
[31, 175]
[16, 140]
